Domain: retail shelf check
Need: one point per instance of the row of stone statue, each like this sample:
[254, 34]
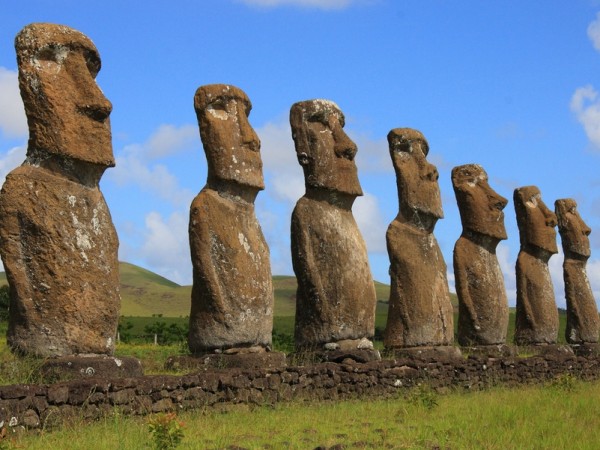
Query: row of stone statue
[59, 246]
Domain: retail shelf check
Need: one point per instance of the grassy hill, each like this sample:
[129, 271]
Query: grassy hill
[145, 294]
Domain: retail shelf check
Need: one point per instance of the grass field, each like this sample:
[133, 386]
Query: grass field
[552, 416]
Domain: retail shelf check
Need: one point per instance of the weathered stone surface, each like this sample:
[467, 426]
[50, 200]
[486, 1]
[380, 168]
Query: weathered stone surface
[57, 240]
[482, 302]
[420, 312]
[583, 324]
[73, 367]
[537, 315]
[259, 360]
[336, 298]
[232, 294]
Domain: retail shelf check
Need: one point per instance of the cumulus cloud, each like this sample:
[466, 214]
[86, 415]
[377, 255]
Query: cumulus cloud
[13, 122]
[370, 221]
[13, 158]
[169, 139]
[136, 164]
[373, 154]
[593, 270]
[319, 4]
[284, 174]
[585, 104]
[593, 32]
[166, 247]
[507, 266]
[556, 273]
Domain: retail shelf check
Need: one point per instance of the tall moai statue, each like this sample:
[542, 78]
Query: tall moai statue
[420, 312]
[537, 314]
[57, 239]
[583, 324]
[335, 301]
[232, 293]
[482, 302]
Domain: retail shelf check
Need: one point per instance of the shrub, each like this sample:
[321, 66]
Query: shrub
[166, 431]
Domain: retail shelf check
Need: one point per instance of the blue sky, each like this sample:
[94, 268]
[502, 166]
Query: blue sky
[510, 85]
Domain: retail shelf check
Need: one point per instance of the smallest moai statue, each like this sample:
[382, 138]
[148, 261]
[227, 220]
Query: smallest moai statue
[537, 314]
[482, 302]
[583, 324]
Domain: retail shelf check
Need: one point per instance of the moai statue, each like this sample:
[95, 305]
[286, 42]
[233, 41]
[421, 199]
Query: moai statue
[57, 239]
[335, 301]
[537, 315]
[420, 312]
[482, 302]
[232, 293]
[583, 324]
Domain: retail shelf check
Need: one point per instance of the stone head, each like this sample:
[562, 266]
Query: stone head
[573, 230]
[535, 221]
[479, 205]
[231, 145]
[324, 150]
[417, 179]
[67, 113]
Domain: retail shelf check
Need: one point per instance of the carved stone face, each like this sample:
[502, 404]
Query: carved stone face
[479, 205]
[324, 150]
[417, 179]
[536, 222]
[573, 230]
[66, 111]
[231, 145]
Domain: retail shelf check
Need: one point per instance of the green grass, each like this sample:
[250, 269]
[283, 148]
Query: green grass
[532, 417]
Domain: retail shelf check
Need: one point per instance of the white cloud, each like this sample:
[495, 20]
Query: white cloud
[370, 222]
[373, 154]
[507, 266]
[136, 166]
[166, 246]
[169, 139]
[556, 273]
[585, 104]
[593, 32]
[593, 271]
[319, 4]
[285, 177]
[155, 178]
[12, 159]
[13, 122]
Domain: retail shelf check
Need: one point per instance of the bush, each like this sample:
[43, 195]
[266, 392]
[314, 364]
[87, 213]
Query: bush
[166, 431]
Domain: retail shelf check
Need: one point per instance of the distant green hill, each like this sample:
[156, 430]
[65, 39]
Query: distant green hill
[144, 294]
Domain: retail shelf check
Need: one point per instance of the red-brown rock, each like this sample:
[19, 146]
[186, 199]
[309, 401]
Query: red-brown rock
[482, 302]
[537, 315]
[583, 324]
[232, 293]
[57, 240]
[420, 311]
[336, 298]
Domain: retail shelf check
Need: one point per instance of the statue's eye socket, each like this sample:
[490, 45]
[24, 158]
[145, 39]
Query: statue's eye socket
[221, 106]
[47, 54]
[402, 147]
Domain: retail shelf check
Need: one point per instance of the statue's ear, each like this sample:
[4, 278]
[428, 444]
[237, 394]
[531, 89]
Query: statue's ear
[303, 158]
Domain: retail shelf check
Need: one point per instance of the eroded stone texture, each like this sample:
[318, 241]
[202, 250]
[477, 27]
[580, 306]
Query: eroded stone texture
[232, 293]
[57, 240]
[335, 301]
[420, 311]
[537, 315]
[583, 324]
[482, 302]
